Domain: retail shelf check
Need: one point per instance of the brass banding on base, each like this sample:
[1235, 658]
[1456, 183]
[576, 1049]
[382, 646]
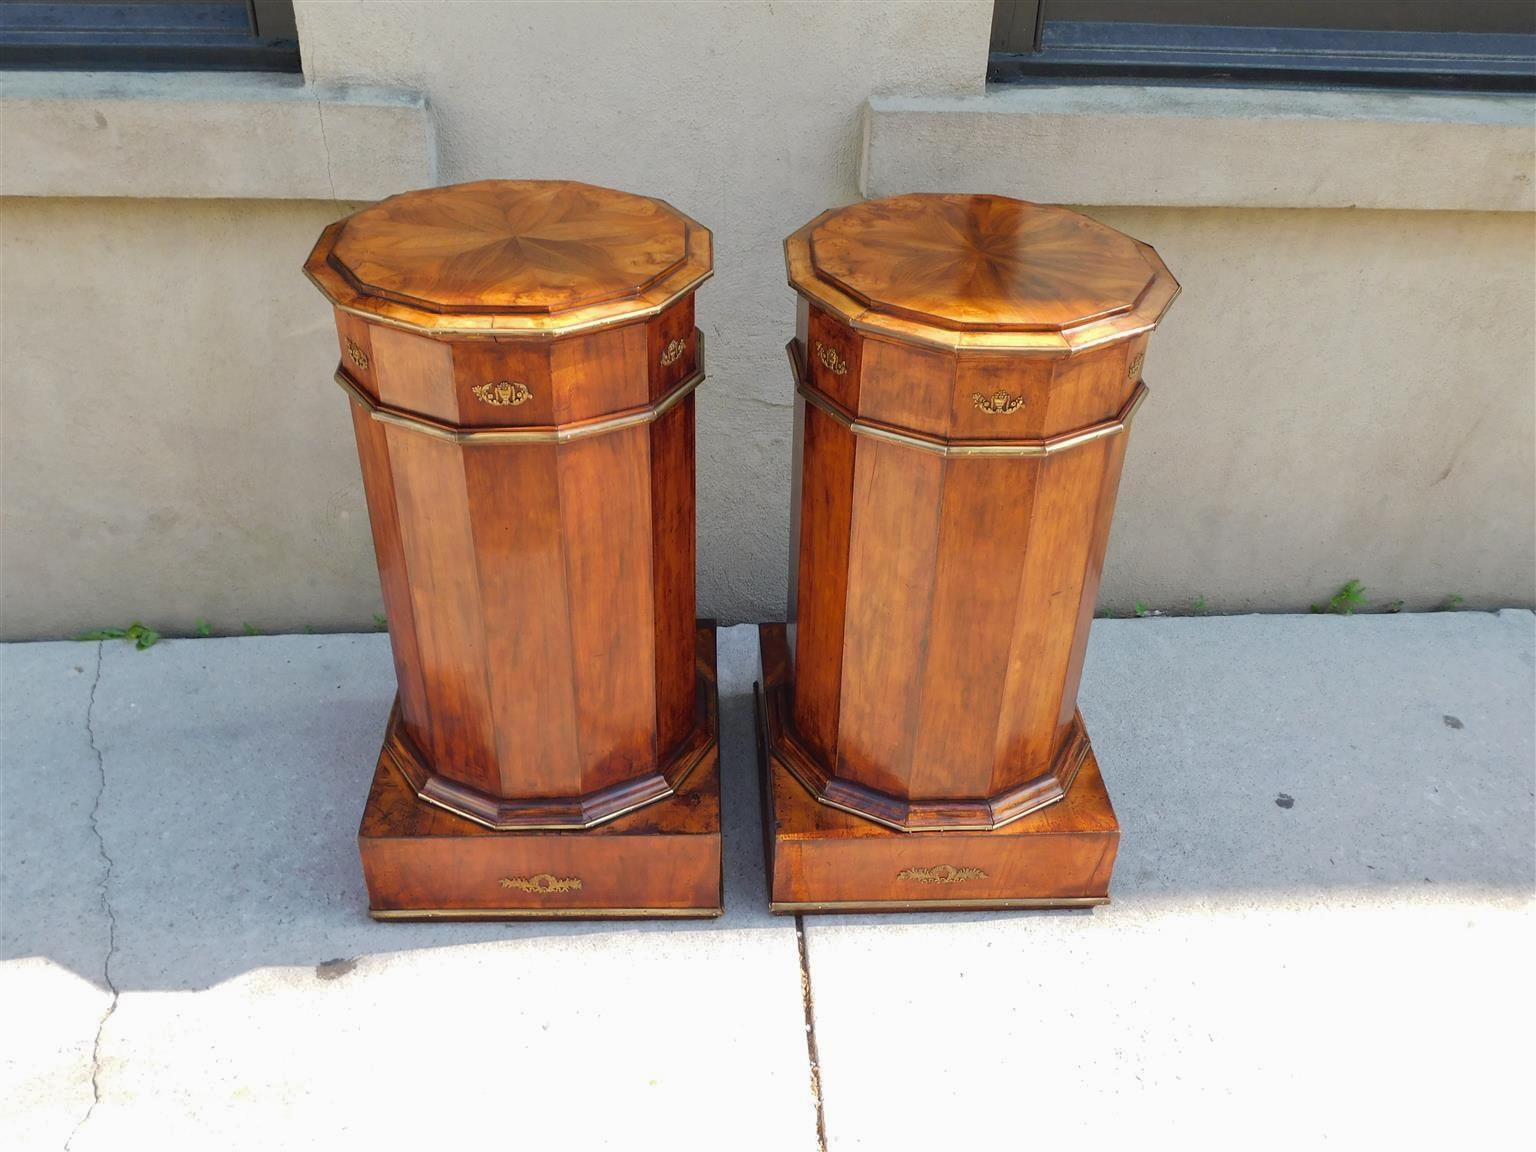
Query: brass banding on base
[532, 434]
[1040, 447]
[545, 913]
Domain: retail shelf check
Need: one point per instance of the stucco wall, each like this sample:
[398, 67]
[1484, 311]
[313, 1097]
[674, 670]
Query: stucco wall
[1337, 394]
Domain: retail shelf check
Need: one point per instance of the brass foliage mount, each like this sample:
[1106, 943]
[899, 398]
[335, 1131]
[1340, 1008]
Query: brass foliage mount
[503, 393]
[673, 353]
[943, 874]
[543, 883]
[830, 360]
[356, 354]
[1135, 366]
[1000, 403]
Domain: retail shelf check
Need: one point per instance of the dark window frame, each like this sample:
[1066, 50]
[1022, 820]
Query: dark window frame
[150, 36]
[1028, 46]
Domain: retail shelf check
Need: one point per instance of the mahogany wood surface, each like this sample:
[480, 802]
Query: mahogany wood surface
[966, 370]
[822, 859]
[521, 356]
[422, 862]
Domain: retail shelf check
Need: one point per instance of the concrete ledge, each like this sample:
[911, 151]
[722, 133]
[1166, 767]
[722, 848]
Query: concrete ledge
[203, 135]
[1209, 147]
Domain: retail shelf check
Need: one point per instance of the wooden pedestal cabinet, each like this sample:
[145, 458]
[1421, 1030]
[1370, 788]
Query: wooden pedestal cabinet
[520, 357]
[967, 368]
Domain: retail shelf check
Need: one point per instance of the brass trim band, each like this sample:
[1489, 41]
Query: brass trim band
[544, 913]
[1039, 447]
[961, 904]
[532, 434]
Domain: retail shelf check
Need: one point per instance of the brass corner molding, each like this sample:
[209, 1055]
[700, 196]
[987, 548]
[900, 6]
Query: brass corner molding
[543, 883]
[942, 874]
[877, 430]
[529, 434]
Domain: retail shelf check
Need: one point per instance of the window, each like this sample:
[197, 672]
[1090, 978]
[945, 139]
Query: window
[1469, 44]
[137, 36]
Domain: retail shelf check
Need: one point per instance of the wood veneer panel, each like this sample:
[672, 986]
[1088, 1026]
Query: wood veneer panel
[600, 373]
[384, 519]
[892, 555]
[437, 540]
[834, 357]
[664, 367]
[605, 509]
[983, 541]
[1061, 535]
[478, 363]
[674, 559]
[415, 374]
[1091, 387]
[514, 501]
[821, 576]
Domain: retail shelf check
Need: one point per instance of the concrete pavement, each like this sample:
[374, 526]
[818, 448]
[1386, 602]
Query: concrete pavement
[1322, 925]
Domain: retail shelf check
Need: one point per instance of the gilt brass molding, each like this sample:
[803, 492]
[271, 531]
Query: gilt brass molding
[1000, 403]
[543, 883]
[503, 393]
[674, 353]
[942, 874]
[531, 434]
[1047, 446]
[830, 360]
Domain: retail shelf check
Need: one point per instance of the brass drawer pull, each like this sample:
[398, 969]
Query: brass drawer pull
[543, 883]
[943, 874]
[503, 393]
[830, 360]
[1000, 403]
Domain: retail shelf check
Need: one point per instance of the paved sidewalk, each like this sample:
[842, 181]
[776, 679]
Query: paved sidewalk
[1322, 926]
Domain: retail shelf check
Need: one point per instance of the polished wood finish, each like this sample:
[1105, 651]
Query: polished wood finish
[966, 370]
[822, 859]
[521, 357]
[424, 863]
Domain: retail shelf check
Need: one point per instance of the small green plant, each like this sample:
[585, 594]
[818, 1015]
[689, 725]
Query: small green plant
[1451, 603]
[250, 630]
[1141, 609]
[203, 629]
[1344, 601]
[141, 636]
[380, 622]
[1199, 608]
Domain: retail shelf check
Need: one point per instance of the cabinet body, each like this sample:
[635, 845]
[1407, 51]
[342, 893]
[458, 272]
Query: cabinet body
[521, 359]
[966, 372]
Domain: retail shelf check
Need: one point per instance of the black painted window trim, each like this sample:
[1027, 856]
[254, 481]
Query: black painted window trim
[150, 36]
[1058, 51]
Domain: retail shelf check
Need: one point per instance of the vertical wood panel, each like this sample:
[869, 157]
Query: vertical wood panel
[821, 580]
[848, 345]
[1061, 534]
[605, 507]
[891, 564]
[983, 540]
[1114, 458]
[480, 362]
[384, 519]
[676, 323]
[438, 546]
[599, 374]
[415, 373]
[674, 564]
[514, 502]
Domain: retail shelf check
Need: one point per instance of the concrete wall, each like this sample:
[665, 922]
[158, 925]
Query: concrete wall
[1338, 394]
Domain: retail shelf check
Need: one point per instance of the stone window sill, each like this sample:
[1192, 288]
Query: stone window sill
[1209, 147]
[209, 135]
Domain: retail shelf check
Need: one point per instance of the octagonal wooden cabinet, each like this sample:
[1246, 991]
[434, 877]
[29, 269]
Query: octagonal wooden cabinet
[521, 357]
[966, 368]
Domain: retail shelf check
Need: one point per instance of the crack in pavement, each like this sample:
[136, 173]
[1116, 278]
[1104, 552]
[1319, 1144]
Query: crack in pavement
[810, 1033]
[106, 904]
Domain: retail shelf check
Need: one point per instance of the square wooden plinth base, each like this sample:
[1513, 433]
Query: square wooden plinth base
[663, 860]
[821, 859]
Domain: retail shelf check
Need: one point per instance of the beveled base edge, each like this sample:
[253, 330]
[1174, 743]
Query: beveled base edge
[574, 813]
[795, 908]
[468, 914]
[915, 816]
